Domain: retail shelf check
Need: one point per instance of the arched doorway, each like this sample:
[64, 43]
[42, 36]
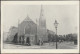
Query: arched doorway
[28, 40]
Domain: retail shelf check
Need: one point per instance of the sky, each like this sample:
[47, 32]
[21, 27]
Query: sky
[66, 16]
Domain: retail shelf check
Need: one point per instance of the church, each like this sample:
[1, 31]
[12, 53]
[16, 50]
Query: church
[32, 33]
[29, 32]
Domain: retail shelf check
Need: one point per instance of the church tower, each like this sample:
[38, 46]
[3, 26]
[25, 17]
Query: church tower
[42, 20]
[41, 30]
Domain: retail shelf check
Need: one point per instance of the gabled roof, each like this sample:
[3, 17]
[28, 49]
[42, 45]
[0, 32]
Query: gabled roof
[27, 18]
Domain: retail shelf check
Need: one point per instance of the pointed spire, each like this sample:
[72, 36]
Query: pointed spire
[42, 20]
[41, 14]
[41, 8]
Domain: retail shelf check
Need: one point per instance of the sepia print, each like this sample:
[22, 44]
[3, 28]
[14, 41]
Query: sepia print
[40, 26]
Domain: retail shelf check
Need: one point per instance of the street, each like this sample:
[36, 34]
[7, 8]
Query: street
[51, 45]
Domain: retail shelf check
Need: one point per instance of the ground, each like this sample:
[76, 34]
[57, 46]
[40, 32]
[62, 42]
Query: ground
[51, 45]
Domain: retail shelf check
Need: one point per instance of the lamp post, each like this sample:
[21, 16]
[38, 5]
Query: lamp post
[56, 24]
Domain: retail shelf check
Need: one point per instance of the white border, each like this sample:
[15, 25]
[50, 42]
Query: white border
[37, 50]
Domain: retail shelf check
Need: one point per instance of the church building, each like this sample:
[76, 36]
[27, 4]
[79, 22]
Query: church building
[30, 32]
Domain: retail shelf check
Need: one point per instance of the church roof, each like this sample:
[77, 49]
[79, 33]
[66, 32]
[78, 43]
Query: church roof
[27, 18]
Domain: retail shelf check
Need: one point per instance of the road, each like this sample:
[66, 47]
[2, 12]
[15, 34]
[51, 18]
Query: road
[51, 45]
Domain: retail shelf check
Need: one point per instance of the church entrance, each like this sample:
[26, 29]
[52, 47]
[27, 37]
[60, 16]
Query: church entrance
[28, 41]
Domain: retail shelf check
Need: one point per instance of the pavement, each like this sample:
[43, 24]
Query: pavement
[51, 45]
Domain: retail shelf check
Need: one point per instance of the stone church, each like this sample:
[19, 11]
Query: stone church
[29, 32]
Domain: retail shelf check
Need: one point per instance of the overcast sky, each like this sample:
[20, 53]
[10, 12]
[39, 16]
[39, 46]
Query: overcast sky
[66, 15]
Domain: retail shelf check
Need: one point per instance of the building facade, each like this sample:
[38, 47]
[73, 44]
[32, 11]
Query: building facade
[29, 32]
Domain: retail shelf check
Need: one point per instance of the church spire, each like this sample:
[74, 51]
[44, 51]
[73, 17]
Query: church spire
[41, 13]
[42, 21]
[41, 8]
